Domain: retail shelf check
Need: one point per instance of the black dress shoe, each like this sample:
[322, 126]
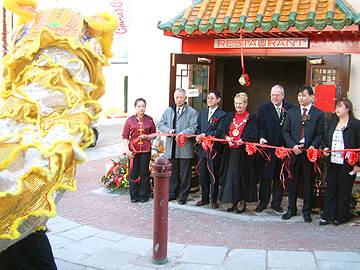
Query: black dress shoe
[277, 208]
[261, 207]
[336, 223]
[288, 215]
[307, 219]
[241, 210]
[181, 202]
[214, 205]
[324, 222]
[201, 203]
[144, 200]
[232, 208]
[134, 200]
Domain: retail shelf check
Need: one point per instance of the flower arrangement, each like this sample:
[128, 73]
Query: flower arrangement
[244, 80]
[117, 177]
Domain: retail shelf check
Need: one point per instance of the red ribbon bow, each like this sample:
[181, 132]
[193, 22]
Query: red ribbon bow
[313, 154]
[250, 148]
[207, 143]
[351, 157]
[285, 155]
[181, 139]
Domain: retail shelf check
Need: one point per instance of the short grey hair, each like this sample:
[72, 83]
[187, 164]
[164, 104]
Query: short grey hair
[181, 90]
[280, 87]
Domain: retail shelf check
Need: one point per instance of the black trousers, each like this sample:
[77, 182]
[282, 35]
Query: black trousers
[209, 179]
[274, 186]
[140, 168]
[338, 194]
[31, 253]
[180, 179]
[302, 169]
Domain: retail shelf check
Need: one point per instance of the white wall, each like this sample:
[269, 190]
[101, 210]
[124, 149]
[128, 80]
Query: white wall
[354, 90]
[149, 52]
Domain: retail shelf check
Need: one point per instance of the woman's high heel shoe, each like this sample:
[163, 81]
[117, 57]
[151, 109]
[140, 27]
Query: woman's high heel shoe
[242, 210]
[232, 208]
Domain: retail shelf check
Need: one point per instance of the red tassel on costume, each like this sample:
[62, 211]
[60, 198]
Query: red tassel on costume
[351, 157]
[181, 139]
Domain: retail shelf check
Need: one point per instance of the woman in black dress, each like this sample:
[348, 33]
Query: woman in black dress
[238, 180]
[343, 133]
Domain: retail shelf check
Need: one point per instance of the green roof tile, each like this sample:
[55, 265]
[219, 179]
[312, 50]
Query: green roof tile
[301, 21]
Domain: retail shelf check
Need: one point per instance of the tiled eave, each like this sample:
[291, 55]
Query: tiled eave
[214, 17]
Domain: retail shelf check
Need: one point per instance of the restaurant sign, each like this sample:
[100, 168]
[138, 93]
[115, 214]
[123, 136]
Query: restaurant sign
[271, 43]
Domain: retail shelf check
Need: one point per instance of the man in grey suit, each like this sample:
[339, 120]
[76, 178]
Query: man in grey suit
[179, 118]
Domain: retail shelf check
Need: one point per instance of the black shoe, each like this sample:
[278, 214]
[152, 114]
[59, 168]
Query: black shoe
[181, 202]
[134, 200]
[277, 208]
[261, 207]
[242, 210]
[172, 199]
[336, 223]
[324, 222]
[307, 218]
[288, 215]
[232, 208]
[144, 200]
[214, 205]
[201, 203]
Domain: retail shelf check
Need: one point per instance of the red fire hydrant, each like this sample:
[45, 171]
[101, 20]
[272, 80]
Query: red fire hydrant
[161, 173]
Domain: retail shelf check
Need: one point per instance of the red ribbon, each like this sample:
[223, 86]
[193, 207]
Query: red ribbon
[285, 155]
[207, 143]
[351, 157]
[250, 148]
[181, 139]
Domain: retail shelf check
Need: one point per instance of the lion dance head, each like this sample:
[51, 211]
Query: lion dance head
[52, 79]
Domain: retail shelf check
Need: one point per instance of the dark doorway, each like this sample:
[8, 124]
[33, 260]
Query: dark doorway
[264, 72]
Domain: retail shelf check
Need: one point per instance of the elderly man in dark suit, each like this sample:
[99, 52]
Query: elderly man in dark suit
[271, 117]
[303, 128]
[210, 123]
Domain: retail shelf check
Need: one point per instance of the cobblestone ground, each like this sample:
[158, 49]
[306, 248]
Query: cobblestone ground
[92, 205]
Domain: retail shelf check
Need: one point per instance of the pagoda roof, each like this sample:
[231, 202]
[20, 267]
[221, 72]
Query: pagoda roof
[206, 17]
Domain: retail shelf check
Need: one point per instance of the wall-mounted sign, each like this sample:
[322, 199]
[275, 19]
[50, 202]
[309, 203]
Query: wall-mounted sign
[192, 92]
[272, 43]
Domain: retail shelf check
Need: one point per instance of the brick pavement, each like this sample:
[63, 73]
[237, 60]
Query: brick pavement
[188, 224]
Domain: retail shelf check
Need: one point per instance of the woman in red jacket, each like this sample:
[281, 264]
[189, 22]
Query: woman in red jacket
[137, 143]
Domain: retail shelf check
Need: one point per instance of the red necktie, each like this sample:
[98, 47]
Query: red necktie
[303, 123]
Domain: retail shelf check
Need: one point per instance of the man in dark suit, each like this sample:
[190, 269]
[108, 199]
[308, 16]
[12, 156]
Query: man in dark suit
[303, 128]
[271, 118]
[210, 123]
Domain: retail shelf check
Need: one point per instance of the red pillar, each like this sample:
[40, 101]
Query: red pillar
[161, 173]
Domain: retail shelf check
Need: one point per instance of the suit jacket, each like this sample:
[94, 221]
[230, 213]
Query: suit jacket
[270, 128]
[215, 126]
[313, 128]
[187, 124]
[269, 123]
[351, 136]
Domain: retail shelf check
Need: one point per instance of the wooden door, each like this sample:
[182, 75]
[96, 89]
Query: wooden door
[193, 73]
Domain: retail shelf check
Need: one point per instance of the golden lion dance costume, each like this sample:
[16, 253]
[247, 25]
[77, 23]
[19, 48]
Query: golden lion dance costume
[52, 79]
